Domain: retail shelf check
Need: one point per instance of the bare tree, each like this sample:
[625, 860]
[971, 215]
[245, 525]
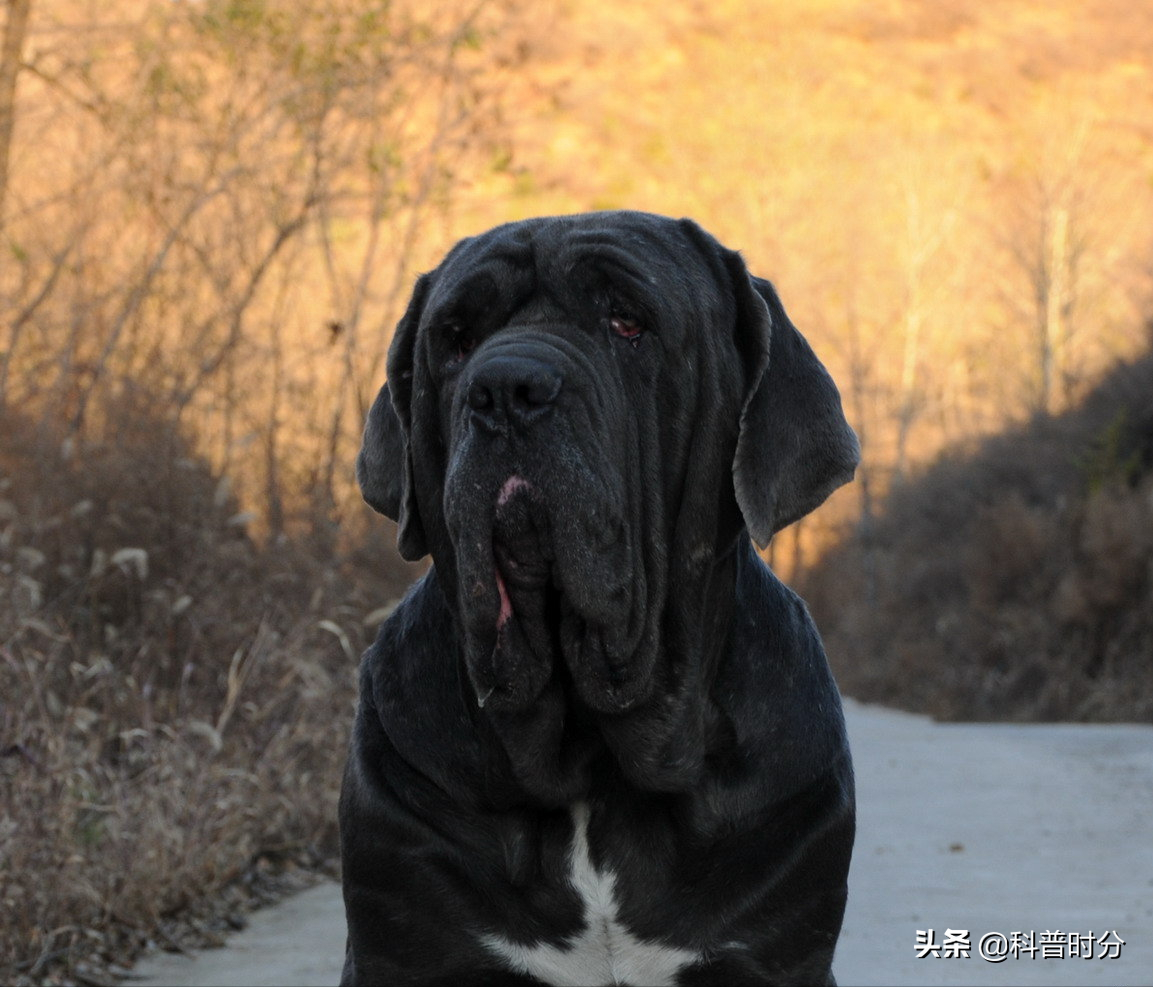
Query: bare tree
[929, 220]
[11, 55]
[1047, 230]
[1048, 248]
[255, 187]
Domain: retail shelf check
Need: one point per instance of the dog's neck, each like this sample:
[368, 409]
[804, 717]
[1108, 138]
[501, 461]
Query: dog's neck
[556, 751]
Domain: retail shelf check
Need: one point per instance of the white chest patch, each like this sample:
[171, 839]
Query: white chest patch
[605, 952]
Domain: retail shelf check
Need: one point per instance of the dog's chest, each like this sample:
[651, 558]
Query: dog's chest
[605, 951]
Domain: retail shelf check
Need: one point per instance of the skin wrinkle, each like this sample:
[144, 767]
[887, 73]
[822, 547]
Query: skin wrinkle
[665, 751]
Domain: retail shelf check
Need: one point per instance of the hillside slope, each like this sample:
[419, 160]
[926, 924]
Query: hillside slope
[1012, 580]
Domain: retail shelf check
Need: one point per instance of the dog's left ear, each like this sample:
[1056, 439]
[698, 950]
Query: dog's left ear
[795, 446]
[384, 467]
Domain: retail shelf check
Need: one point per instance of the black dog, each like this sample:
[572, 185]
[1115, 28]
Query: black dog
[598, 743]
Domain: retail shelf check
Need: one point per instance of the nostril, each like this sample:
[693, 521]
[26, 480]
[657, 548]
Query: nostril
[479, 397]
[538, 390]
[533, 395]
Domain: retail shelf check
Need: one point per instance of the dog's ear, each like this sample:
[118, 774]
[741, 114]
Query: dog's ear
[384, 467]
[379, 467]
[795, 446]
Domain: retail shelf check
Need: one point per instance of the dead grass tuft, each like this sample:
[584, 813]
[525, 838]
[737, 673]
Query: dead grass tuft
[174, 699]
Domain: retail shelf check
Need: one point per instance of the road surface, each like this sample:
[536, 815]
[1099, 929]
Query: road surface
[1039, 832]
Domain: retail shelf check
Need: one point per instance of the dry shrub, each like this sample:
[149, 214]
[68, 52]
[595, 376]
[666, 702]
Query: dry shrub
[174, 699]
[1013, 580]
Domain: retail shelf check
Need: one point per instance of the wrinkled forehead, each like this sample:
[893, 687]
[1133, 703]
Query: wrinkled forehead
[636, 253]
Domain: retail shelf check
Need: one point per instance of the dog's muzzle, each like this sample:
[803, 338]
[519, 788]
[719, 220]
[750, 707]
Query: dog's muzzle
[533, 501]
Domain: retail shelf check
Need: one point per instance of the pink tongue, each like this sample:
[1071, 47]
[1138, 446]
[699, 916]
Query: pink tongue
[510, 487]
[505, 603]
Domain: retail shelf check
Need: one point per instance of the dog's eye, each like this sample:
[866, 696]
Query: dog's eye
[461, 341]
[627, 327]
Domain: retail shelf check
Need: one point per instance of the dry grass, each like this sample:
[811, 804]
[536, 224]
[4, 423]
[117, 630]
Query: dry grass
[174, 700]
[1014, 581]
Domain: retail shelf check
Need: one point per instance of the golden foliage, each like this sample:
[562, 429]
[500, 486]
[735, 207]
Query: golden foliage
[228, 198]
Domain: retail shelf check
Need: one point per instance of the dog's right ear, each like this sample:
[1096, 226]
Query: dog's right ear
[379, 467]
[384, 467]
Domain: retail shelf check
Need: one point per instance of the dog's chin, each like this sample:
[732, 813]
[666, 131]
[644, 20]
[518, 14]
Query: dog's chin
[537, 620]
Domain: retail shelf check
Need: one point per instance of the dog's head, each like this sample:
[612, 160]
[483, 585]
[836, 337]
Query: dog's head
[582, 411]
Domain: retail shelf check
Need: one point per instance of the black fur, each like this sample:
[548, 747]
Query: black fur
[586, 418]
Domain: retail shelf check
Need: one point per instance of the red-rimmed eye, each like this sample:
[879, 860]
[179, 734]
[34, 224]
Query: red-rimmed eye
[626, 327]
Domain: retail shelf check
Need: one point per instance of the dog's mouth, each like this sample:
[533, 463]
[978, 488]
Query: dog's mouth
[521, 542]
[554, 619]
[523, 572]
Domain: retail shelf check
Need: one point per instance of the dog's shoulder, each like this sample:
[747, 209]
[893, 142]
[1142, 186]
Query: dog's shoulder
[415, 713]
[415, 650]
[772, 623]
[776, 688]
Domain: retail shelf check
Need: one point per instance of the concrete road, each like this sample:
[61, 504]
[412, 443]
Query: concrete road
[1039, 832]
[999, 829]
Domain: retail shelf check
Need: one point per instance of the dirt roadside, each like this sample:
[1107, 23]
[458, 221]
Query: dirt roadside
[986, 828]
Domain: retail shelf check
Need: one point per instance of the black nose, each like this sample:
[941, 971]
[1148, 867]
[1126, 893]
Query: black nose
[512, 390]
